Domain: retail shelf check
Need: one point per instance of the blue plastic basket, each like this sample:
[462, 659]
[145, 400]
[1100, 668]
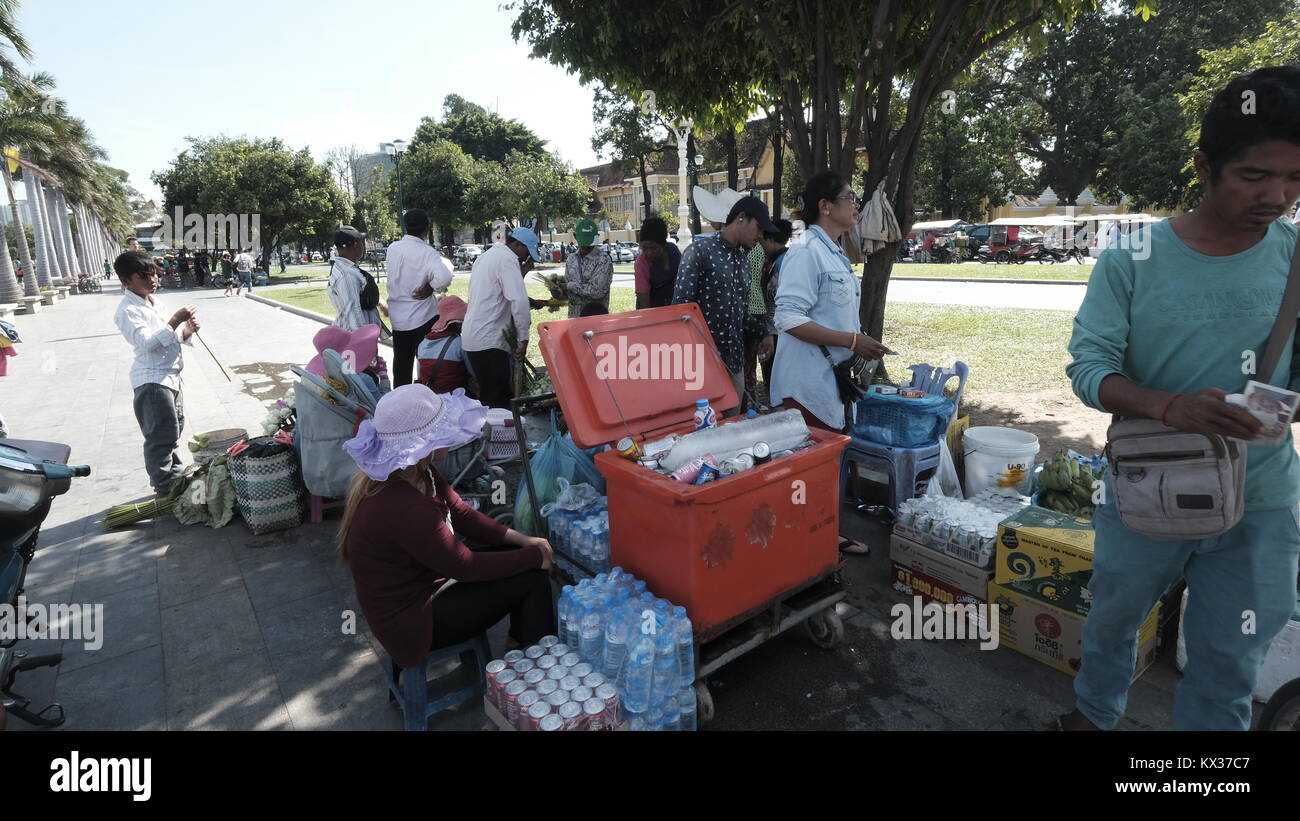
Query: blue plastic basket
[890, 419]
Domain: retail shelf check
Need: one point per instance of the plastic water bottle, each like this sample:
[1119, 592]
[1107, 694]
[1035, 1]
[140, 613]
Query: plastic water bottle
[685, 645]
[616, 637]
[686, 704]
[591, 640]
[705, 418]
[667, 673]
[782, 430]
[672, 715]
[569, 619]
[639, 678]
[562, 608]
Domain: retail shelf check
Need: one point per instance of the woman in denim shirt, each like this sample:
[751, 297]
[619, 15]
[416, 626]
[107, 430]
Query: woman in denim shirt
[816, 305]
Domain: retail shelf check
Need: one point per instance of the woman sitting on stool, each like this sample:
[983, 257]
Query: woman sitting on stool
[419, 586]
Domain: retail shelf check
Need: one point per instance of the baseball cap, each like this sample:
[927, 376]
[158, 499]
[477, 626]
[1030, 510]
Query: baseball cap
[755, 208]
[529, 239]
[585, 231]
[347, 235]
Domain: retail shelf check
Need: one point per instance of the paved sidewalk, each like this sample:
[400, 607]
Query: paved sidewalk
[219, 629]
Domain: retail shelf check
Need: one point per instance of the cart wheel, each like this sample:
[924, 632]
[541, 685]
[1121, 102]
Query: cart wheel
[703, 704]
[504, 515]
[1283, 710]
[826, 629]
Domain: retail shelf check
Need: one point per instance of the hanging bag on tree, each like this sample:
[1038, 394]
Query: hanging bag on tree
[1171, 484]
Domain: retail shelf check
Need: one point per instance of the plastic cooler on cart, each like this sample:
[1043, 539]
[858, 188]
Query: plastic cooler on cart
[723, 549]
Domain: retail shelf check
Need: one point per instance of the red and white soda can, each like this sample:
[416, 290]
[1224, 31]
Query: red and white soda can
[558, 698]
[547, 662]
[608, 693]
[582, 669]
[546, 686]
[570, 683]
[550, 723]
[581, 694]
[571, 659]
[494, 668]
[556, 673]
[510, 699]
[523, 666]
[593, 680]
[526, 701]
[497, 681]
[571, 713]
[513, 656]
[534, 677]
[547, 642]
[535, 652]
[536, 713]
[559, 650]
[593, 712]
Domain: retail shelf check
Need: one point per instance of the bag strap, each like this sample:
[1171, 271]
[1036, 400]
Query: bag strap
[433, 374]
[1286, 319]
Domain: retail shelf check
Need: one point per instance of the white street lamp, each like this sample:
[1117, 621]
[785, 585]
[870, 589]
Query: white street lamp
[681, 131]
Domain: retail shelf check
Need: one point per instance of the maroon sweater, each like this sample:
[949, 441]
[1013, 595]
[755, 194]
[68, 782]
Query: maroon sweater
[400, 549]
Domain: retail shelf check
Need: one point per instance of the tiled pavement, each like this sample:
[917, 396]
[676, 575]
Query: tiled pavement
[219, 629]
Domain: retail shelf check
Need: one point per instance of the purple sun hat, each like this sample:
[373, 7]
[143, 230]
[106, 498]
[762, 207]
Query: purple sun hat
[411, 422]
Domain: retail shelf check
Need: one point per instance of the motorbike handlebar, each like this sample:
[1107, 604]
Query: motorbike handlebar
[80, 470]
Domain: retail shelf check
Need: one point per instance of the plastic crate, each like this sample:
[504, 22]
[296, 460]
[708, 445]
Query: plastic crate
[893, 420]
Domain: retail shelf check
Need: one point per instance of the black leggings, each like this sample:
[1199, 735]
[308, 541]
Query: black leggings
[405, 346]
[470, 608]
[492, 371]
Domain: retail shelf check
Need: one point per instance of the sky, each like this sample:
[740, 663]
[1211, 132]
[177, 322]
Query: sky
[315, 73]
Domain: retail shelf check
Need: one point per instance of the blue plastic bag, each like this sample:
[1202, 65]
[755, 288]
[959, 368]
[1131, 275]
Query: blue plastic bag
[557, 458]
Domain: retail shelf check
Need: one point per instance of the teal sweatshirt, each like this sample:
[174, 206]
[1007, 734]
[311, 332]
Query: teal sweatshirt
[1180, 321]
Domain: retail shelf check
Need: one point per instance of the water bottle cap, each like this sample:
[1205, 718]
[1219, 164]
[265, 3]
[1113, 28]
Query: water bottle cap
[751, 413]
[679, 612]
[701, 403]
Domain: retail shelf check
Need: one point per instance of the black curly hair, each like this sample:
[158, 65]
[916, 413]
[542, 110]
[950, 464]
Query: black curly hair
[1230, 126]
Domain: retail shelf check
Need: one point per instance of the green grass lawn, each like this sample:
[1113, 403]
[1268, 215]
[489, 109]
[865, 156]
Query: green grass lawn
[1007, 349]
[991, 270]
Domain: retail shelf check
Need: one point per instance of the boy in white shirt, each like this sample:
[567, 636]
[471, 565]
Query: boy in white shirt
[156, 369]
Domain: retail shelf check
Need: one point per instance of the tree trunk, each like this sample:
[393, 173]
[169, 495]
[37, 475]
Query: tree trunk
[9, 290]
[62, 272]
[31, 185]
[733, 159]
[79, 247]
[778, 164]
[695, 214]
[74, 261]
[30, 287]
[55, 273]
[645, 187]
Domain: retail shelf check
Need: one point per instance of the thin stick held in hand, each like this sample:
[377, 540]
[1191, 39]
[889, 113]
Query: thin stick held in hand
[214, 357]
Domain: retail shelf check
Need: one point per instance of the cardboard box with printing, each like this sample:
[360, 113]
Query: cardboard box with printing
[1055, 636]
[1046, 555]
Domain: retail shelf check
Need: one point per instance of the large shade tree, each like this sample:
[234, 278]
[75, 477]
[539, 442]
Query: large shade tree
[834, 67]
[295, 197]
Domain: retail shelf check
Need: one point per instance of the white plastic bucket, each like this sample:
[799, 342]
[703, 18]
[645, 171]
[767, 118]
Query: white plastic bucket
[998, 459]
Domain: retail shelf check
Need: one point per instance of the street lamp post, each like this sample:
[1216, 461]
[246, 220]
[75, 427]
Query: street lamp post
[395, 150]
[681, 130]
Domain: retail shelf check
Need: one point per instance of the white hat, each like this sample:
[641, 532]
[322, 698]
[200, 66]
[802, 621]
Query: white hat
[715, 207]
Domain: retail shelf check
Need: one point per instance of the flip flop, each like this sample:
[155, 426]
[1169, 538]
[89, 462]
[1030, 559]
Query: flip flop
[854, 548]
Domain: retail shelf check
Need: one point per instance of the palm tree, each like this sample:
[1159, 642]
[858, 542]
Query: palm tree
[24, 123]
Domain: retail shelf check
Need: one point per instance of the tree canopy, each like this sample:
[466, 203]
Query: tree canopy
[480, 133]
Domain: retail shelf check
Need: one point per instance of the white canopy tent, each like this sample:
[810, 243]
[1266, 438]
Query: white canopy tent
[935, 225]
[1052, 221]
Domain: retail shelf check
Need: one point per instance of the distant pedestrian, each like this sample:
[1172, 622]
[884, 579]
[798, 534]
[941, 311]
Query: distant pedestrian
[156, 369]
[655, 270]
[498, 300]
[589, 272]
[244, 271]
[415, 271]
[228, 273]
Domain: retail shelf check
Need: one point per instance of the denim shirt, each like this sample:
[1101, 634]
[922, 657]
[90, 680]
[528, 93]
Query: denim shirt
[817, 285]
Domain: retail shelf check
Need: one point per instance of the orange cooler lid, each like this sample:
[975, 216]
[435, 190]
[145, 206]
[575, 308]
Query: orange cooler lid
[634, 373]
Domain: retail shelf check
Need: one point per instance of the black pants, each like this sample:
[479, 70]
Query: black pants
[470, 608]
[405, 346]
[492, 370]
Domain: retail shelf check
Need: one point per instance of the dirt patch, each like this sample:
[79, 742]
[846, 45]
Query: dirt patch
[1056, 417]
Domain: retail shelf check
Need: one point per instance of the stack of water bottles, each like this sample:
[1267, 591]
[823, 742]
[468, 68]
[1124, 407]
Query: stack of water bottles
[583, 534]
[643, 644]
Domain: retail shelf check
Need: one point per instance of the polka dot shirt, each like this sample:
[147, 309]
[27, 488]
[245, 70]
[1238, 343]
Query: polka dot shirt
[715, 274]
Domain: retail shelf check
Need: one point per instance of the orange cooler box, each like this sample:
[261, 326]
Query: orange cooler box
[720, 549]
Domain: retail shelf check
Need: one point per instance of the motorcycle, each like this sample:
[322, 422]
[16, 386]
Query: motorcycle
[31, 475]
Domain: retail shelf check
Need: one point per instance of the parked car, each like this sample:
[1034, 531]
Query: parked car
[469, 253]
[633, 248]
[316, 257]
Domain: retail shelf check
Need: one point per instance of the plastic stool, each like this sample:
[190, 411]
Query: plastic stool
[410, 687]
[319, 504]
[902, 465]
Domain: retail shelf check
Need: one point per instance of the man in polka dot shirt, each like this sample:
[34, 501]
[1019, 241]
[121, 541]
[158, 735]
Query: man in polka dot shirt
[714, 272]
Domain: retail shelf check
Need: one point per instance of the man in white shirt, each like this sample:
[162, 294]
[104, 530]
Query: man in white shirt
[498, 300]
[244, 271]
[350, 291]
[415, 271]
[156, 369]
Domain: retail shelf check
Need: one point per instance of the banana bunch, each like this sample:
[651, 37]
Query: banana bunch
[199, 442]
[1067, 485]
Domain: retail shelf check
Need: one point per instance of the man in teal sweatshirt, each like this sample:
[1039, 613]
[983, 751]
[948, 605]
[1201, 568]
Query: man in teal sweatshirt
[1169, 320]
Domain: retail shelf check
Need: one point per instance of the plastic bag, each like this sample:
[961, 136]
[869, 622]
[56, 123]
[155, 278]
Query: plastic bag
[578, 497]
[945, 481]
[557, 458]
